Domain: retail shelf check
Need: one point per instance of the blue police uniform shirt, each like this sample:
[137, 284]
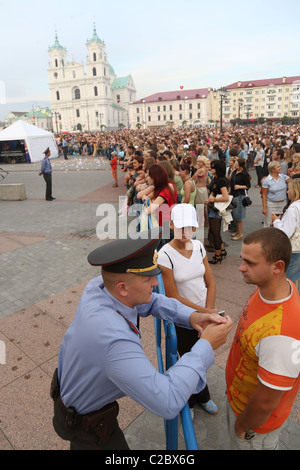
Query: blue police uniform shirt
[101, 358]
[46, 166]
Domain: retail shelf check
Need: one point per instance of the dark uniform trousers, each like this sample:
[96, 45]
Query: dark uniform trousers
[48, 180]
[94, 431]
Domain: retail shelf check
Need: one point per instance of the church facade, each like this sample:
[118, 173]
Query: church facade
[90, 97]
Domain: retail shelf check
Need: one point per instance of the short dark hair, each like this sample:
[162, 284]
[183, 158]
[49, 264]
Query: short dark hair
[296, 147]
[280, 152]
[275, 244]
[233, 152]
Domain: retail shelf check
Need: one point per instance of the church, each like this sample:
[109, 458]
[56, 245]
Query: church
[91, 97]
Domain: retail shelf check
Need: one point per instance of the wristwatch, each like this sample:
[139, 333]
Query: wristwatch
[249, 435]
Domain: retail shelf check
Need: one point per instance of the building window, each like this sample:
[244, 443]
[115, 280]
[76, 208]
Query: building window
[149, 109]
[94, 72]
[164, 108]
[158, 109]
[191, 116]
[77, 113]
[171, 117]
[56, 63]
[137, 110]
[95, 91]
[138, 119]
[199, 115]
[190, 106]
[57, 96]
[180, 116]
[180, 107]
[165, 117]
[158, 118]
[149, 118]
[171, 107]
[199, 105]
[77, 94]
[95, 56]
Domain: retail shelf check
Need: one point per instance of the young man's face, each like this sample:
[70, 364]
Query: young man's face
[254, 268]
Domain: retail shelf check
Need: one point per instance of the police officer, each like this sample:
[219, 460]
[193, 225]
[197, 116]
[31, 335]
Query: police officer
[46, 171]
[101, 358]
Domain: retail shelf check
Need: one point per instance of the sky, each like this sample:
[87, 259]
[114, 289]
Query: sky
[163, 44]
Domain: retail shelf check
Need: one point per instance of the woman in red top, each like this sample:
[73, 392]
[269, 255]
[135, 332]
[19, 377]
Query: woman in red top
[163, 197]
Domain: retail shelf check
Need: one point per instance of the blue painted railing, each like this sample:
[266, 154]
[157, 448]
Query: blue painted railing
[171, 357]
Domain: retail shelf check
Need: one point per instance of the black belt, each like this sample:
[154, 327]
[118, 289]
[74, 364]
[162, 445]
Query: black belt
[101, 422]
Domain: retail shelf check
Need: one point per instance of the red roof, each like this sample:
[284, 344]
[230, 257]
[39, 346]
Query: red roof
[176, 95]
[265, 82]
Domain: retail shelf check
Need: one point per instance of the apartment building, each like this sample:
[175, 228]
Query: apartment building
[172, 108]
[250, 101]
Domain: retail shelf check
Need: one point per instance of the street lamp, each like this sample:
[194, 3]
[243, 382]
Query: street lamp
[248, 109]
[101, 115]
[223, 93]
[240, 105]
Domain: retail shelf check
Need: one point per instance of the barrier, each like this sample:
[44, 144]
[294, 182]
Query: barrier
[12, 192]
[171, 357]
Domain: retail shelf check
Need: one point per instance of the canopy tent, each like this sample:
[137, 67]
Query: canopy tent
[36, 139]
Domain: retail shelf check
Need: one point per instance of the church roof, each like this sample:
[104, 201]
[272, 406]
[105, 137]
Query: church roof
[56, 44]
[95, 37]
[120, 82]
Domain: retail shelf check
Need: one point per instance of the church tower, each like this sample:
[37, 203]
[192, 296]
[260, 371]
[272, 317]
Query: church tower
[87, 97]
[58, 60]
[56, 77]
[97, 66]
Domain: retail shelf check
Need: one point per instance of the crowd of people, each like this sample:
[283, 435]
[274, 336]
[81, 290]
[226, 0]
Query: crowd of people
[174, 171]
[199, 166]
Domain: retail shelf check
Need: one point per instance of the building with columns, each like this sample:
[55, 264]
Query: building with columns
[90, 97]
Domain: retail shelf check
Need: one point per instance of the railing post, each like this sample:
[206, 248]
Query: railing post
[171, 426]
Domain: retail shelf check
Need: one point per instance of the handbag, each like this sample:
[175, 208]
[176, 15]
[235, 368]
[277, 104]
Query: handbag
[246, 200]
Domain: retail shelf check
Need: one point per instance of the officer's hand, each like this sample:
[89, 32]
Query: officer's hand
[199, 320]
[216, 334]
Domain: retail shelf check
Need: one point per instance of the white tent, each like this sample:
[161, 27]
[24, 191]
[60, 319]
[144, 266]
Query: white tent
[37, 140]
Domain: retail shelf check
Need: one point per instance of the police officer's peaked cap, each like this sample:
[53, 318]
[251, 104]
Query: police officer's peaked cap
[137, 256]
[47, 151]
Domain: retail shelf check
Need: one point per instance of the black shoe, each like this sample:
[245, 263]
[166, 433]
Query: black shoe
[52, 198]
[223, 253]
[216, 259]
[49, 199]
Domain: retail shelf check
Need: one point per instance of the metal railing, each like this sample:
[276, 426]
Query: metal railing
[171, 357]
